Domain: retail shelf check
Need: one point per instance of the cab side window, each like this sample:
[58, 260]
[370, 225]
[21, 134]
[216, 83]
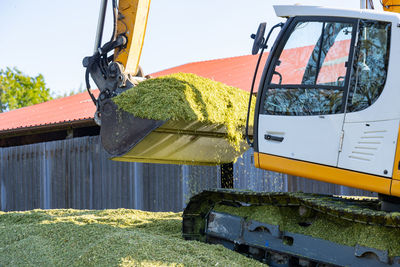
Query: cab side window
[309, 74]
[370, 64]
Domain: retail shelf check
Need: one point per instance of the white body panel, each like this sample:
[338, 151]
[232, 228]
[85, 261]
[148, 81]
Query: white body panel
[309, 138]
[317, 140]
[369, 147]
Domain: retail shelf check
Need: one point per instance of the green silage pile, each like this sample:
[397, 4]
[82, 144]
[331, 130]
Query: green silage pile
[322, 226]
[105, 238]
[188, 97]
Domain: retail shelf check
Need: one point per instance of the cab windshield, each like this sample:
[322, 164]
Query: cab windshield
[310, 74]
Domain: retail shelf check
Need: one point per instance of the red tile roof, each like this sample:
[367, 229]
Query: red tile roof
[235, 71]
[68, 109]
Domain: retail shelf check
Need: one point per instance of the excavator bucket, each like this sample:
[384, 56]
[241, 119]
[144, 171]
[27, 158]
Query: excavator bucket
[129, 138]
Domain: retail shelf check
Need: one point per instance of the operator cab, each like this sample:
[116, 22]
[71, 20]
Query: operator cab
[325, 99]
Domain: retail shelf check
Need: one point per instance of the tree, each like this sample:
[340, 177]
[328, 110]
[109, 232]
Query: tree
[18, 90]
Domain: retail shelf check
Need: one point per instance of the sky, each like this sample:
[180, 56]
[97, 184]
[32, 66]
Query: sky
[51, 37]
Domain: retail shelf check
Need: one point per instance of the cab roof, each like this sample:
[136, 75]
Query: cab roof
[300, 10]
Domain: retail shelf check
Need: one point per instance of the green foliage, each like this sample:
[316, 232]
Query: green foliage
[19, 90]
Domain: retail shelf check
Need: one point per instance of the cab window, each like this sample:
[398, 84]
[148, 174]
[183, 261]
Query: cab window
[308, 77]
[315, 72]
[370, 64]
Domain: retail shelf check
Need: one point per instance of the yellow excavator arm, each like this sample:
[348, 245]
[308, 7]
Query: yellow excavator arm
[132, 24]
[391, 5]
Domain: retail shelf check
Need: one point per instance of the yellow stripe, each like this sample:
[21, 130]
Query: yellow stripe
[256, 160]
[396, 171]
[324, 173]
[395, 190]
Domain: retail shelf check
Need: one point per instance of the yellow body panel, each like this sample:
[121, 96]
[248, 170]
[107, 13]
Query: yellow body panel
[391, 5]
[133, 21]
[395, 190]
[324, 173]
[256, 160]
[396, 171]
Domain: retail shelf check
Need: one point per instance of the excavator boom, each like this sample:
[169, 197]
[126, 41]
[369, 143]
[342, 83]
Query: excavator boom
[132, 24]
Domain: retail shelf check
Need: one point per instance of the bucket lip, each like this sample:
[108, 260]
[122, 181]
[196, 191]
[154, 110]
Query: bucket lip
[162, 161]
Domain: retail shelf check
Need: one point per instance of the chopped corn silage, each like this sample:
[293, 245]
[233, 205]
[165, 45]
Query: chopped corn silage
[105, 238]
[188, 97]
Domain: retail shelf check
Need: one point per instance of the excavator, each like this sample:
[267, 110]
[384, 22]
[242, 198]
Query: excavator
[325, 110]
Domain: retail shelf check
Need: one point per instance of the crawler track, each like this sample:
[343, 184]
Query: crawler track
[201, 222]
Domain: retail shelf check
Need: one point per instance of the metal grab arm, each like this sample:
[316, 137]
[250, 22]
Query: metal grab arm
[112, 73]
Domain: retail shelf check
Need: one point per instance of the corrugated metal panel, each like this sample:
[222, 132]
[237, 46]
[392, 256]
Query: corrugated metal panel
[3, 199]
[77, 173]
[249, 177]
[20, 170]
[246, 176]
[198, 178]
[162, 187]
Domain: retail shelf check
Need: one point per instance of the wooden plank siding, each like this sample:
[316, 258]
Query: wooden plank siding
[76, 173]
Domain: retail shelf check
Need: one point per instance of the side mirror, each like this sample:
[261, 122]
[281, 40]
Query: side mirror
[258, 38]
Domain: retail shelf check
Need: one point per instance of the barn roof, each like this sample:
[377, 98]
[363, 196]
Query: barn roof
[64, 110]
[234, 71]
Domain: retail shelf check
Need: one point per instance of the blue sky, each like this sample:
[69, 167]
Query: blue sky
[52, 36]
